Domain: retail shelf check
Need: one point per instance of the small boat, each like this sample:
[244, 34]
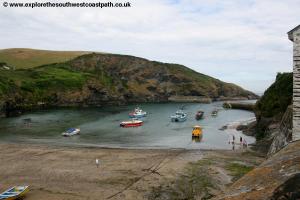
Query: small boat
[199, 115]
[131, 123]
[71, 131]
[214, 113]
[14, 193]
[179, 116]
[197, 131]
[137, 113]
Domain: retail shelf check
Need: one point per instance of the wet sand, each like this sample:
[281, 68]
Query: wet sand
[71, 173]
[62, 173]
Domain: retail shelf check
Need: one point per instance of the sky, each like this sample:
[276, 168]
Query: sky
[238, 41]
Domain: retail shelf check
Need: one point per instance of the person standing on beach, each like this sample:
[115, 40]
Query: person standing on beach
[97, 162]
[241, 139]
[233, 139]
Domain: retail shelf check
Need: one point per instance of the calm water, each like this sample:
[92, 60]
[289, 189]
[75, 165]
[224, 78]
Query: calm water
[100, 127]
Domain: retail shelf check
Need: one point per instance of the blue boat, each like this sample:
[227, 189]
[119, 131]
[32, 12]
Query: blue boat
[71, 131]
[179, 116]
[14, 193]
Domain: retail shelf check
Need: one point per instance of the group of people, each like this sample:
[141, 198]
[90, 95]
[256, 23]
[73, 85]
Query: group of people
[243, 142]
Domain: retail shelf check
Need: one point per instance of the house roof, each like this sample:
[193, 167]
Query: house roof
[290, 33]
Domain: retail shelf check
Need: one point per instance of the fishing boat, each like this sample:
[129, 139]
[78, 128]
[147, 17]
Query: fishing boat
[179, 116]
[214, 113]
[14, 193]
[199, 115]
[137, 113]
[197, 131]
[71, 132]
[131, 123]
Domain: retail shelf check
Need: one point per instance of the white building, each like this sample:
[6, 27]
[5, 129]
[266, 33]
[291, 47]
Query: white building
[294, 36]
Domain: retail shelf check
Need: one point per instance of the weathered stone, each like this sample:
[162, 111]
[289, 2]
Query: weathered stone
[294, 35]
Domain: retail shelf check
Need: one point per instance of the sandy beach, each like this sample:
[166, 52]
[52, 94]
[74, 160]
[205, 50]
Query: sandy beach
[56, 173]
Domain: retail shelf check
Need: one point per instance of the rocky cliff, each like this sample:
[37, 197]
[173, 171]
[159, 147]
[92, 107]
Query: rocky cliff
[276, 178]
[283, 134]
[101, 79]
[273, 116]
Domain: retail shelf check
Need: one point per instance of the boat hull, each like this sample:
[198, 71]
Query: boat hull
[178, 119]
[66, 134]
[19, 193]
[137, 115]
[199, 115]
[131, 124]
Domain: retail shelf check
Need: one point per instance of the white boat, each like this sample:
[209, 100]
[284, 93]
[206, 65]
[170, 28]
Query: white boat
[179, 116]
[137, 113]
[15, 192]
[71, 131]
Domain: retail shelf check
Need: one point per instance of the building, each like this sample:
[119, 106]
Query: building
[294, 36]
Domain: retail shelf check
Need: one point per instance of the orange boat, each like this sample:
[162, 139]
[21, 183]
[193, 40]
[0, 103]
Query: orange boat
[197, 131]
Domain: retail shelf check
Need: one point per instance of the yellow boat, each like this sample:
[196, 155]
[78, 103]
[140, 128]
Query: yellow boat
[14, 193]
[197, 131]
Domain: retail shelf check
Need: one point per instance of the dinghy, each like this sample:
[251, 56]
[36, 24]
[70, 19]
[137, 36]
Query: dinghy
[14, 193]
[71, 131]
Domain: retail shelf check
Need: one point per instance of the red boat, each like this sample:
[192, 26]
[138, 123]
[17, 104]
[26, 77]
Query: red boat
[131, 123]
[199, 115]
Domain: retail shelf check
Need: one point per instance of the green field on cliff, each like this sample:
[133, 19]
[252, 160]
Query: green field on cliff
[21, 58]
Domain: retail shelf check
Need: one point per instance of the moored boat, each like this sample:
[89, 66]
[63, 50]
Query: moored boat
[71, 131]
[131, 123]
[137, 113]
[179, 116]
[214, 113]
[15, 192]
[199, 115]
[197, 131]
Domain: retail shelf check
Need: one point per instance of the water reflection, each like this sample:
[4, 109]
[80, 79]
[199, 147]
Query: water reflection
[197, 139]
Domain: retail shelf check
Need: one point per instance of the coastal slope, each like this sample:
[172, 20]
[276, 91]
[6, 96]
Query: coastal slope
[23, 58]
[99, 79]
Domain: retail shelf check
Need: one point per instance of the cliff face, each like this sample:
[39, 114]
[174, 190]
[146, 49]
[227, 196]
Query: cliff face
[273, 104]
[283, 135]
[101, 79]
[276, 178]
[154, 80]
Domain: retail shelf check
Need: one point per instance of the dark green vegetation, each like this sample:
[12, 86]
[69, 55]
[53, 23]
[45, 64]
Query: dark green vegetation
[101, 79]
[273, 104]
[277, 97]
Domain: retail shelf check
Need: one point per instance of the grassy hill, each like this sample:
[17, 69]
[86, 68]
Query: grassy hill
[22, 58]
[100, 79]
